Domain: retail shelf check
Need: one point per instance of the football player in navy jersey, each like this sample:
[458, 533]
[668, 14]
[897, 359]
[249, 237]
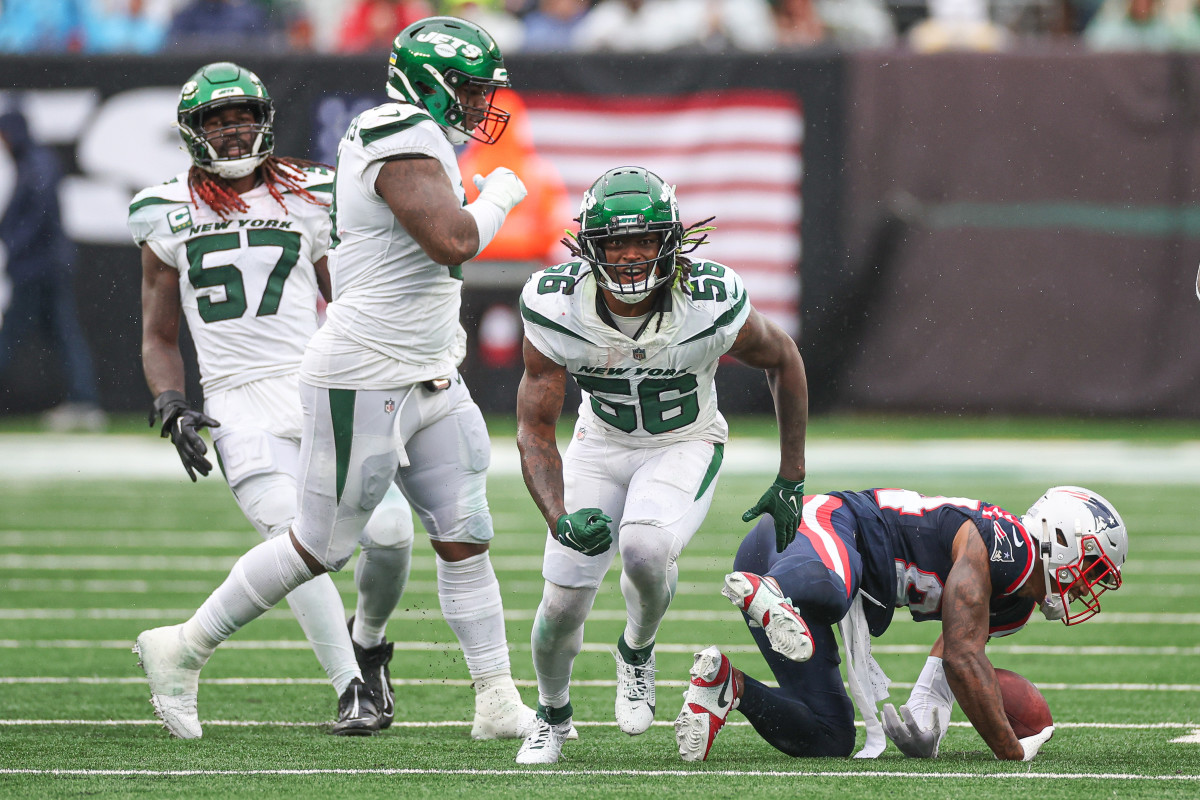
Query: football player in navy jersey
[860, 555]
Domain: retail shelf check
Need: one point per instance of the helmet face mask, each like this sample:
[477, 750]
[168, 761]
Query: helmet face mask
[625, 202]
[1083, 545]
[451, 68]
[219, 86]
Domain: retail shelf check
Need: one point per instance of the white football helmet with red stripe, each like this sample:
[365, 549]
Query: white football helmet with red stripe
[1083, 544]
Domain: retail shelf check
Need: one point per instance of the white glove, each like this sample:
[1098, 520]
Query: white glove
[501, 187]
[1031, 744]
[910, 736]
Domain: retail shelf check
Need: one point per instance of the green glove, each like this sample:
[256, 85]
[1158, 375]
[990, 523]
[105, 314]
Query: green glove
[585, 530]
[783, 501]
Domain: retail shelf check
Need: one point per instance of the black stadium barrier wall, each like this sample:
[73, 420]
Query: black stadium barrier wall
[1009, 233]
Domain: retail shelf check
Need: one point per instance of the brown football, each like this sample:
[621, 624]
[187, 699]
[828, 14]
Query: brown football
[1024, 705]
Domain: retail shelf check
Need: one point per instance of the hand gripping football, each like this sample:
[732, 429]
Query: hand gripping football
[1026, 709]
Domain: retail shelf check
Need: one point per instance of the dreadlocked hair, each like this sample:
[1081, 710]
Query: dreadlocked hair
[694, 235]
[279, 174]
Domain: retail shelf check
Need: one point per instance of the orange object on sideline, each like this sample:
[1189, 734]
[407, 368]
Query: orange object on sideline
[533, 229]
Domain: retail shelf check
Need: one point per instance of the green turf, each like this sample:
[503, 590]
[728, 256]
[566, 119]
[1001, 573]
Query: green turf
[86, 565]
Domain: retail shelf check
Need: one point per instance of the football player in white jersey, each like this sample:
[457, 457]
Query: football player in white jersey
[640, 327]
[382, 400]
[237, 246]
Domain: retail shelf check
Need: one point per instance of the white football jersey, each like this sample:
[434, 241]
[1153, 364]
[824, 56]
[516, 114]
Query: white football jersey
[246, 282]
[394, 317]
[658, 389]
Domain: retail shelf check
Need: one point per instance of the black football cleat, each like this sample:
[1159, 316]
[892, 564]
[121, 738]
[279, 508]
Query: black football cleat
[358, 712]
[373, 663]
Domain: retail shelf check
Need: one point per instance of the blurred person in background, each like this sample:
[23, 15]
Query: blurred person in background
[212, 24]
[125, 26]
[31, 26]
[551, 26]
[371, 25]
[40, 277]
[533, 229]
[236, 245]
[661, 25]
[957, 25]
[1154, 25]
[844, 23]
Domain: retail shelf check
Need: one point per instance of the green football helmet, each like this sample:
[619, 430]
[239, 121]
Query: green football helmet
[433, 60]
[624, 201]
[216, 86]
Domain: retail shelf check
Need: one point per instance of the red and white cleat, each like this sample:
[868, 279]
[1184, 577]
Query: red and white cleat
[707, 702]
[762, 600]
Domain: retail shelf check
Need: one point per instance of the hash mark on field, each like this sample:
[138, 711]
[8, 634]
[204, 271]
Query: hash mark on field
[681, 773]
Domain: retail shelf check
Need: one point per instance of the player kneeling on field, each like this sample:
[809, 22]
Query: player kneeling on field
[859, 556]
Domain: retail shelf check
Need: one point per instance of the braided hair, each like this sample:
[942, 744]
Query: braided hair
[279, 174]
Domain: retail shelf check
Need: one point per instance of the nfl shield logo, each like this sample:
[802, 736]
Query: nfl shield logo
[389, 406]
[639, 354]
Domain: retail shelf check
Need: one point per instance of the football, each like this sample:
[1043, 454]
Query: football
[1024, 705]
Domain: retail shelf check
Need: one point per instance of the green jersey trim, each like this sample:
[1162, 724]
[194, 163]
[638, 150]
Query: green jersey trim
[153, 201]
[713, 467]
[534, 318]
[369, 136]
[725, 319]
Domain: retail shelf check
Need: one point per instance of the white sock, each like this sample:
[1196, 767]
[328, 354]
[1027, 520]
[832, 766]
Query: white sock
[259, 580]
[380, 575]
[470, 599]
[319, 610]
[557, 638]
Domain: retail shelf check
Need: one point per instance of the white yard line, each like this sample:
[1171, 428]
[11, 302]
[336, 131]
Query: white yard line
[35, 457]
[548, 773]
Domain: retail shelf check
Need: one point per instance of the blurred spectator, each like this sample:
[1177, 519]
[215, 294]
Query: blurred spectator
[491, 15]
[797, 23]
[372, 25]
[221, 24]
[124, 26]
[957, 25]
[551, 26]
[660, 25]
[38, 270]
[532, 230]
[1144, 25]
[30, 26]
[855, 23]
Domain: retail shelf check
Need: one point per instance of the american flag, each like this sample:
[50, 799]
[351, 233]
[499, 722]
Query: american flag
[737, 157]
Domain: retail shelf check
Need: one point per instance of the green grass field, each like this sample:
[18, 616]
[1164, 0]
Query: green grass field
[87, 562]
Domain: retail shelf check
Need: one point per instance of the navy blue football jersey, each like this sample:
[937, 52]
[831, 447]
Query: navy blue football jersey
[916, 532]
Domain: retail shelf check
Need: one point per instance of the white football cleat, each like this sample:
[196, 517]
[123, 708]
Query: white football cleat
[500, 713]
[707, 702]
[544, 744]
[173, 670]
[635, 695]
[761, 599]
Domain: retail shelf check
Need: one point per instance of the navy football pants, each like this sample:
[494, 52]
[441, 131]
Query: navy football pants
[809, 714]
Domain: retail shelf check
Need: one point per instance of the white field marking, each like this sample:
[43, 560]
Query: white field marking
[510, 614]
[1191, 738]
[653, 773]
[528, 563]
[37, 456]
[596, 647]
[530, 684]
[453, 723]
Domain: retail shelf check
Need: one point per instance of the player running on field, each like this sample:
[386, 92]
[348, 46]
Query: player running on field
[640, 328]
[237, 246]
[859, 556]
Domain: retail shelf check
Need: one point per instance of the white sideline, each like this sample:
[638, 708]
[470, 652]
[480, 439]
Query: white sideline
[42, 456]
[681, 773]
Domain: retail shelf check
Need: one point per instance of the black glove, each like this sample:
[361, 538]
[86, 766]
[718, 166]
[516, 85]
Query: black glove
[784, 501]
[586, 530]
[181, 424]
